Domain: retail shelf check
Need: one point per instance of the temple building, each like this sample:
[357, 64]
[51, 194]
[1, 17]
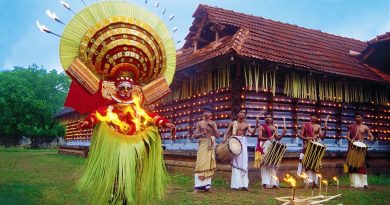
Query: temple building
[232, 61]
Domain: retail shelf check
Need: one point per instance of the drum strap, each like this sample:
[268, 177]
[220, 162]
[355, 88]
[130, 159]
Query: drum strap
[268, 130]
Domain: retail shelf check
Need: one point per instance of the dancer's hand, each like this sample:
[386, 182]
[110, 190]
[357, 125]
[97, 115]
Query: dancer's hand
[82, 124]
[170, 125]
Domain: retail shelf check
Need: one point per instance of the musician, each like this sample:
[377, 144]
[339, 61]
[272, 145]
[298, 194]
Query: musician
[357, 132]
[266, 133]
[239, 128]
[310, 131]
[206, 130]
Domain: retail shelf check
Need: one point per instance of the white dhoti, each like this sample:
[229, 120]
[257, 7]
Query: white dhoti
[240, 167]
[268, 174]
[312, 176]
[358, 180]
[202, 184]
[205, 163]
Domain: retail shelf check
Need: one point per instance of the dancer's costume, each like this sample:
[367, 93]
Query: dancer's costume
[104, 45]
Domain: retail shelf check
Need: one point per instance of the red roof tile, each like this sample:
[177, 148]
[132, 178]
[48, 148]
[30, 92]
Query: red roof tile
[278, 42]
[383, 37]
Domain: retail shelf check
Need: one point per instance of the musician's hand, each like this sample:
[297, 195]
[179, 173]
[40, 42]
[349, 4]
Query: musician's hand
[170, 125]
[211, 125]
[325, 127]
[82, 124]
[284, 130]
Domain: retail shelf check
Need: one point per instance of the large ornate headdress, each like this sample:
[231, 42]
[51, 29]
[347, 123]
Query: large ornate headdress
[107, 38]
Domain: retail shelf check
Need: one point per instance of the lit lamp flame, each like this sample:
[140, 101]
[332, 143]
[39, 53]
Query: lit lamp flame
[54, 16]
[43, 28]
[293, 183]
[326, 187]
[325, 182]
[337, 181]
[290, 180]
[66, 5]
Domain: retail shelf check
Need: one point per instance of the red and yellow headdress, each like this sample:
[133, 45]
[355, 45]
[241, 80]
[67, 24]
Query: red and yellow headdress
[111, 37]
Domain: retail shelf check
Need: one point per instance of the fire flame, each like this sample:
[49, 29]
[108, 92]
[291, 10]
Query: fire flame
[65, 4]
[335, 178]
[114, 119]
[290, 180]
[42, 27]
[325, 182]
[52, 15]
[138, 116]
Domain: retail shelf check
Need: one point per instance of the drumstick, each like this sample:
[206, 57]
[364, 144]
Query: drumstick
[327, 118]
[276, 131]
[257, 121]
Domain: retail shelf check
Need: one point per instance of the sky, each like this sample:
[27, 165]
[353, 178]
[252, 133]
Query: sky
[22, 44]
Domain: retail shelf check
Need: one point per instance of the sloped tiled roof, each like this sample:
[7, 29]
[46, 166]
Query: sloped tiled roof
[383, 37]
[283, 43]
[65, 111]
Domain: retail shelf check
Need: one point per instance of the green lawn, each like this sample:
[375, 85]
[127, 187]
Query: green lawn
[45, 177]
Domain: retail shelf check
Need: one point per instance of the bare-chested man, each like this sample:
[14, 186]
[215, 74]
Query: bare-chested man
[266, 134]
[238, 129]
[357, 132]
[206, 130]
[310, 131]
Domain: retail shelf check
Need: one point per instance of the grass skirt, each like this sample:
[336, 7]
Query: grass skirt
[124, 169]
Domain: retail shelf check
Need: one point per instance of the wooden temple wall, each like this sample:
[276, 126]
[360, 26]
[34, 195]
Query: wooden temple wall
[228, 87]
[73, 135]
[283, 92]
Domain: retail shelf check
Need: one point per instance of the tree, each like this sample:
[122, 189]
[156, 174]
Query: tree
[28, 100]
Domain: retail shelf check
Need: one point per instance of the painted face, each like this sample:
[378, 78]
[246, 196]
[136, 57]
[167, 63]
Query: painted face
[268, 118]
[124, 91]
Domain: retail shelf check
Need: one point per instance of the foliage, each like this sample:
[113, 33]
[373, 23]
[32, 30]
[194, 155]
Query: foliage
[28, 100]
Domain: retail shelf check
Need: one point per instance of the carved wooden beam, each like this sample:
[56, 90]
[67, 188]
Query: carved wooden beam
[217, 28]
[199, 32]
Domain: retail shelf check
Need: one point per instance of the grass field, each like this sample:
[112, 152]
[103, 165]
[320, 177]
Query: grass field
[45, 177]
